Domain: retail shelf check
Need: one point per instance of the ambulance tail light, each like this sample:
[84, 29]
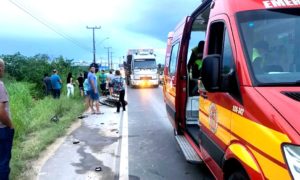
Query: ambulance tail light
[292, 156]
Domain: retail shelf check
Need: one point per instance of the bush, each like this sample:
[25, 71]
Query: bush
[32, 70]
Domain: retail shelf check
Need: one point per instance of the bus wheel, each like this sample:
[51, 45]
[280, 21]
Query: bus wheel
[238, 175]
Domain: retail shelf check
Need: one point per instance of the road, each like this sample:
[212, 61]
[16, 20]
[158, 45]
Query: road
[153, 151]
[136, 144]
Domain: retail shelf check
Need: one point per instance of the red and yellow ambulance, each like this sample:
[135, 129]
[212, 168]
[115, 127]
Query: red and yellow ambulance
[239, 110]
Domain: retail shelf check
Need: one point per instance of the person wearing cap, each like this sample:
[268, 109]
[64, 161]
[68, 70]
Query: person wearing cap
[6, 129]
[56, 84]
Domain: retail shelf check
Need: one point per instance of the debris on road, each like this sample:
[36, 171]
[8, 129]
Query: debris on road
[98, 169]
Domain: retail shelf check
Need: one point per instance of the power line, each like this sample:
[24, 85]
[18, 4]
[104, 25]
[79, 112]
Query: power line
[65, 36]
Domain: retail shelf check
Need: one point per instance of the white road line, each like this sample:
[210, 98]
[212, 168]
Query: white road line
[124, 148]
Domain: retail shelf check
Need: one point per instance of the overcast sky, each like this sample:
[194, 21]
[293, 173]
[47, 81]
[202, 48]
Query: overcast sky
[27, 26]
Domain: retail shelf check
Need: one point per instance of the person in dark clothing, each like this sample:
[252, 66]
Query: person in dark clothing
[118, 85]
[47, 84]
[80, 81]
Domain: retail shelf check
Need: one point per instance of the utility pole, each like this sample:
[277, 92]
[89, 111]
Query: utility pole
[111, 64]
[94, 47]
[108, 55]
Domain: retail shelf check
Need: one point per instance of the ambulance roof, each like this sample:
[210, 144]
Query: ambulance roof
[230, 7]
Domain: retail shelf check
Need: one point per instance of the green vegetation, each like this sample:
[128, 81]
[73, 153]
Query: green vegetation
[32, 121]
[32, 112]
[32, 69]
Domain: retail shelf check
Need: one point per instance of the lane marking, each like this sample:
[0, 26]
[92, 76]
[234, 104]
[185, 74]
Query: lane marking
[124, 146]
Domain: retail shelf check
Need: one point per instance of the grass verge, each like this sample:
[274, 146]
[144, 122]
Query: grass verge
[33, 127]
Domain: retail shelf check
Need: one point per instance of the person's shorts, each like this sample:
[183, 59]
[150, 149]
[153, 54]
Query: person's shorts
[94, 96]
[81, 88]
[103, 87]
[110, 85]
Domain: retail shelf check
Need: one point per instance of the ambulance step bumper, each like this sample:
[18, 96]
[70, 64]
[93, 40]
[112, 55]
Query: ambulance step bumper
[188, 151]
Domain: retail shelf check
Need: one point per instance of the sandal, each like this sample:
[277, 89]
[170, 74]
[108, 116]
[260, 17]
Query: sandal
[98, 169]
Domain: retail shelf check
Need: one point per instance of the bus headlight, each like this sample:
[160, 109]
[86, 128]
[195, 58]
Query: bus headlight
[292, 156]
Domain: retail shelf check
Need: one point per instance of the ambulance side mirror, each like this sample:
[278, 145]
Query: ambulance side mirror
[211, 72]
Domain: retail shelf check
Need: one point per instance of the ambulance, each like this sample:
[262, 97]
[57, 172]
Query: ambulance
[241, 114]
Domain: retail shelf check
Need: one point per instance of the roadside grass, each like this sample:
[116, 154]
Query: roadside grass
[33, 126]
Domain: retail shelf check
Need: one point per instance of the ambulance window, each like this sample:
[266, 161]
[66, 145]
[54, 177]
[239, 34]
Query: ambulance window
[216, 35]
[271, 41]
[173, 59]
[219, 43]
[227, 63]
[228, 68]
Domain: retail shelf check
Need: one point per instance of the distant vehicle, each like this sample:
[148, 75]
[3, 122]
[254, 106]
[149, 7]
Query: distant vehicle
[237, 108]
[141, 69]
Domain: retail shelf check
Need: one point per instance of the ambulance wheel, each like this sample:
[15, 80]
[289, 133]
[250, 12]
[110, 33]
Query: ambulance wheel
[238, 175]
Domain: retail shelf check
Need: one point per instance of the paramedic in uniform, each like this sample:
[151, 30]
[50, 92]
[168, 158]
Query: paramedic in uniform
[259, 56]
[195, 65]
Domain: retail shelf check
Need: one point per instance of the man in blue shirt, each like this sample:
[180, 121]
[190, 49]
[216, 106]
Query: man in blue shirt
[56, 84]
[93, 91]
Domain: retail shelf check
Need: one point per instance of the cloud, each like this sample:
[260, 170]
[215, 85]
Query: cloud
[128, 24]
[161, 17]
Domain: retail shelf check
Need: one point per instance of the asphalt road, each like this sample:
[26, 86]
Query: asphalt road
[152, 149]
[136, 144]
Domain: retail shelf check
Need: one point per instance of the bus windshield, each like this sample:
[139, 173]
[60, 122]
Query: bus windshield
[144, 64]
[271, 39]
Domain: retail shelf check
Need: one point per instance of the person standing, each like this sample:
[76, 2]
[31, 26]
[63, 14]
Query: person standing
[86, 88]
[70, 86]
[80, 81]
[6, 129]
[118, 84]
[47, 84]
[195, 62]
[195, 67]
[56, 84]
[102, 79]
[93, 91]
[110, 77]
